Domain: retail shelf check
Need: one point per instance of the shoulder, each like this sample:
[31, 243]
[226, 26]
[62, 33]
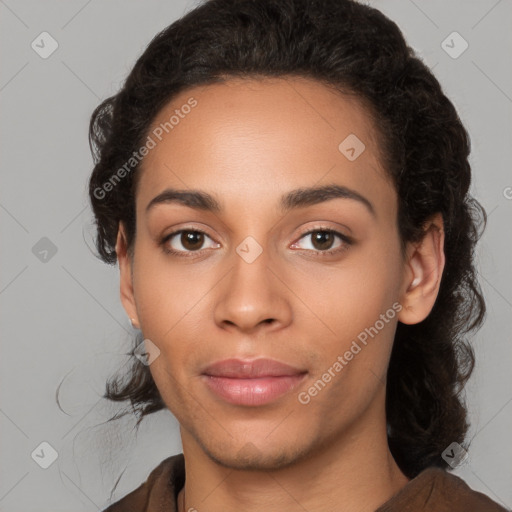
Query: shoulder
[436, 490]
[453, 487]
[161, 486]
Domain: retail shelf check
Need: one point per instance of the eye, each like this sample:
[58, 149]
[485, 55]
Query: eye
[191, 240]
[322, 240]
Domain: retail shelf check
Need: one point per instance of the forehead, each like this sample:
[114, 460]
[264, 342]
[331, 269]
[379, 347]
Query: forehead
[262, 136]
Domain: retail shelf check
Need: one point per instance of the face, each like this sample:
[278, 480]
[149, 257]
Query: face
[312, 280]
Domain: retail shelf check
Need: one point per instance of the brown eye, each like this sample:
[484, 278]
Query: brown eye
[188, 241]
[192, 240]
[322, 240]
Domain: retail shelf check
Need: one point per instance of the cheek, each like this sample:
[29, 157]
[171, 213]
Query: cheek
[171, 301]
[164, 292]
[352, 343]
[357, 305]
[352, 295]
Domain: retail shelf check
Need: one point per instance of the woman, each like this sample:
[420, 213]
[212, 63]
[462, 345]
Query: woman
[285, 188]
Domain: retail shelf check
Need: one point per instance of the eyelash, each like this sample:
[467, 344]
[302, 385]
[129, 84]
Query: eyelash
[347, 242]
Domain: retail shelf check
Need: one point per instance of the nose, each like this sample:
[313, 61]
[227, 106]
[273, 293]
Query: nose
[253, 296]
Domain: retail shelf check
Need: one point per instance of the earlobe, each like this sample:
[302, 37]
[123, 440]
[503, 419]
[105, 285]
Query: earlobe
[423, 273]
[125, 276]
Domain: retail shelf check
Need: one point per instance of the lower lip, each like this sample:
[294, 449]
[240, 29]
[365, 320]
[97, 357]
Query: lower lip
[252, 392]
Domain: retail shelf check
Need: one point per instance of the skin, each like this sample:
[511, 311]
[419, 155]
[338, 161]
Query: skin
[247, 142]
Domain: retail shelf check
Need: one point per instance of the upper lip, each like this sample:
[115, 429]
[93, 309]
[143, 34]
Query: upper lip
[246, 369]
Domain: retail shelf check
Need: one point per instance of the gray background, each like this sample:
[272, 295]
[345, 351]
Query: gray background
[61, 317]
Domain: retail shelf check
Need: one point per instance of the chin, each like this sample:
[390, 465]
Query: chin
[251, 458]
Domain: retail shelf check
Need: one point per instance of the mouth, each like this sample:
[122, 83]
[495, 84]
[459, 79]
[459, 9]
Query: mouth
[251, 383]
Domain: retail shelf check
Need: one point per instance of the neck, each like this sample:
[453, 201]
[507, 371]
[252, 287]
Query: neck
[356, 470]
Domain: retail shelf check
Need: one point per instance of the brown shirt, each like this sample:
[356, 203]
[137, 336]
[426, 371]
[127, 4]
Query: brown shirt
[433, 490]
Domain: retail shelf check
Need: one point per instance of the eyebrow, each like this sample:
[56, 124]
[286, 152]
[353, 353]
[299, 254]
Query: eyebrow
[297, 198]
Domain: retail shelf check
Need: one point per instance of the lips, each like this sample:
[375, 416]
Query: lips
[237, 368]
[251, 383]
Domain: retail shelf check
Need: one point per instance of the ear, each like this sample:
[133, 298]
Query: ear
[423, 271]
[126, 282]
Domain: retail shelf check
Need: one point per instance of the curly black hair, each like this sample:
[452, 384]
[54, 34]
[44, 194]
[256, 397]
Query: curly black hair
[356, 50]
